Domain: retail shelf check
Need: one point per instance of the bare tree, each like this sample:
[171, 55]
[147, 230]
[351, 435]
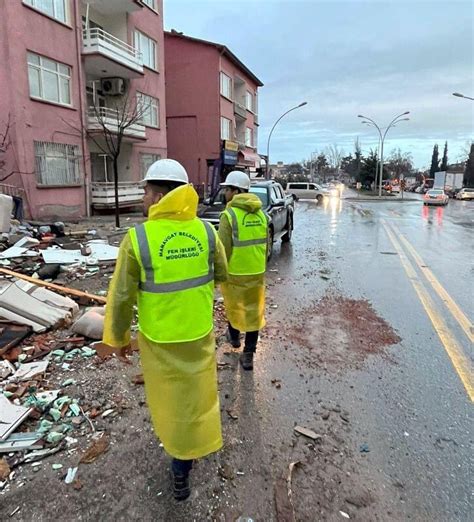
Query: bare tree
[334, 155]
[107, 127]
[399, 163]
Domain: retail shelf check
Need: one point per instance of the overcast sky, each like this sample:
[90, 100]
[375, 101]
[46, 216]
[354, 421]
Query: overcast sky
[375, 57]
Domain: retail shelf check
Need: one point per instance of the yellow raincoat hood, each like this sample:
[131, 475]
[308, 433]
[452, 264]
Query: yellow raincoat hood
[248, 202]
[180, 204]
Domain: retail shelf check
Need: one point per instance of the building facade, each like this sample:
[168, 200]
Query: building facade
[211, 110]
[71, 73]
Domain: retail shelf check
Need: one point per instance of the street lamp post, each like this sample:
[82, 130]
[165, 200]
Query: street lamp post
[459, 95]
[270, 135]
[393, 123]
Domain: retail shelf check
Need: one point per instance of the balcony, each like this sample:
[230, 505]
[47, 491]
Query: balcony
[103, 194]
[240, 111]
[111, 119]
[105, 55]
[115, 7]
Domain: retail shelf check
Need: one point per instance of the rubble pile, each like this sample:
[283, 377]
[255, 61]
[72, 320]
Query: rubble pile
[46, 338]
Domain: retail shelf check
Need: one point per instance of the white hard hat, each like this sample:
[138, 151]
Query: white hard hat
[166, 170]
[238, 179]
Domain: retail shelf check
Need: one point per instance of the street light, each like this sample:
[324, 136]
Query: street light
[382, 137]
[459, 95]
[271, 132]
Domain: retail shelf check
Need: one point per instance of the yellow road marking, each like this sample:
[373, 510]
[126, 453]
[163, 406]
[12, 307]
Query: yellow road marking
[453, 349]
[452, 306]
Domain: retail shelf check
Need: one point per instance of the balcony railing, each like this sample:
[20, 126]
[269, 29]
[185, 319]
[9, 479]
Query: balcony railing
[97, 40]
[130, 193]
[240, 110]
[113, 120]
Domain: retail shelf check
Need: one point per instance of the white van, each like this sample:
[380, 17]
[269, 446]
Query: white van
[305, 191]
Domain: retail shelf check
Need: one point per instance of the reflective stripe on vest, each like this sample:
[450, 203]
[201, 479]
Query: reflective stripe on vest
[248, 256]
[149, 284]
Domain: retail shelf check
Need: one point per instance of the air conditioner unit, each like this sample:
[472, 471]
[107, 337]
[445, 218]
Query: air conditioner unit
[113, 86]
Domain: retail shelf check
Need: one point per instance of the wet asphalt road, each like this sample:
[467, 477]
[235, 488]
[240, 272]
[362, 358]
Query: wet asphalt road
[413, 410]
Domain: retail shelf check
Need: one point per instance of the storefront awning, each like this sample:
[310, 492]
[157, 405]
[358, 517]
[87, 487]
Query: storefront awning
[249, 159]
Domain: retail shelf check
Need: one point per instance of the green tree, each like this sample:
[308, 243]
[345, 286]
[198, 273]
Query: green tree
[358, 158]
[468, 179]
[434, 161]
[368, 169]
[444, 162]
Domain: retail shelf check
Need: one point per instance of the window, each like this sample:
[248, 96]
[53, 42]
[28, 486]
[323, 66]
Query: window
[149, 109]
[275, 195]
[248, 137]
[146, 161]
[225, 128]
[249, 103]
[56, 163]
[54, 8]
[226, 86]
[261, 193]
[150, 3]
[147, 47]
[298, 186]
[49, 80]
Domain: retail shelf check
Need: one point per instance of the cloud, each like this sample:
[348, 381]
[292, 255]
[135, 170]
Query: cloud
[378, 58]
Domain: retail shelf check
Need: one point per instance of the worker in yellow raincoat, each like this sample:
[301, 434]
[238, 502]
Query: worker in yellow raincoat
[168, 266]
[243, 230]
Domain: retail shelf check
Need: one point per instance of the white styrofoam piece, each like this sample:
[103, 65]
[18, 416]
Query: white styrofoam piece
[40, 308]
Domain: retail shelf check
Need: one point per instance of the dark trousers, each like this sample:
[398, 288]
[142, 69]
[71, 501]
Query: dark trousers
[251, 339]
[181, 467]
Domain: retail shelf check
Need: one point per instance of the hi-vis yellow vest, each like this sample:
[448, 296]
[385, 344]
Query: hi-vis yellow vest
[249, 241]
[176, 294]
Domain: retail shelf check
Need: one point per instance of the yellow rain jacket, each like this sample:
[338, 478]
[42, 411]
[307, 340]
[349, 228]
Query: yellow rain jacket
[180, 377]
[244, 295]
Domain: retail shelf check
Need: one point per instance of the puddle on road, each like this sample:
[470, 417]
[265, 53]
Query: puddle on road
[342, 332]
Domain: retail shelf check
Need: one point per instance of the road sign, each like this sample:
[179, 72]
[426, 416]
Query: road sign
[359, 185]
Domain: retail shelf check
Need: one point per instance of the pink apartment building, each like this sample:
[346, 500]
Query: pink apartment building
[59, 59]
[211, 109]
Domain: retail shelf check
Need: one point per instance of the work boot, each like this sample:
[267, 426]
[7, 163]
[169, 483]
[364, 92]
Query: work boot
[181, 488]
[234, 342]
[246, 360]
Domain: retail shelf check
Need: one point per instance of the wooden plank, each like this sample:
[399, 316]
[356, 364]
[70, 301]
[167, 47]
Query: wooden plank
[52, 286]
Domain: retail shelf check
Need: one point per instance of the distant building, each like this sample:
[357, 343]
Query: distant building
[211, 110]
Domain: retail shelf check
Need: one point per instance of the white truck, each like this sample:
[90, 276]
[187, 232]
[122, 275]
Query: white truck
[448, 181]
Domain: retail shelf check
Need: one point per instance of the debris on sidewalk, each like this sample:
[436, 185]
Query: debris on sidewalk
[21, 442]
[11, 334]
[4, 470]
[307, 433]
[52, 286]
[71, 475]
[364, 448]
[232, 415]
[283, 495]
[21, 249]
[91, 323]
[97, 448]
[29, 371]
[11, 416]
[23, 302]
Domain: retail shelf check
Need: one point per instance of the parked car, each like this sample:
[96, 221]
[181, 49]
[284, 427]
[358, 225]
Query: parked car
[306, 191]
[465, 193]
[278, 206]
[435, 197]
